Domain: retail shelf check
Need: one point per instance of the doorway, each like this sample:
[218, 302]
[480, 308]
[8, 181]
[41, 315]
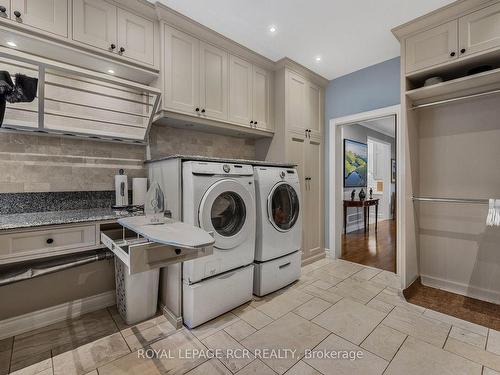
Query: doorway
[363, 189]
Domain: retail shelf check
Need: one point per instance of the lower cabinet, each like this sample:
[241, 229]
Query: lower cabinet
[307, 153]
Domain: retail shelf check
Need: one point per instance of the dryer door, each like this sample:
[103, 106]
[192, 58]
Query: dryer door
[228, 210]
[283, 206]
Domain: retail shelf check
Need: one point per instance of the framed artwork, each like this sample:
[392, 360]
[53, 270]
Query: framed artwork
[393, 171]
[355, 163]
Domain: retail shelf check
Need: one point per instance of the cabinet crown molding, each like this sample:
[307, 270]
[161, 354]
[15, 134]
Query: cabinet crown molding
[439, 16]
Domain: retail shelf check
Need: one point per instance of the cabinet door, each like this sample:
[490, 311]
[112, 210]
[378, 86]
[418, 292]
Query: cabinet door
[296, 93]
[5, 4]
[240, 91]
[313, 223]
[181, 71]
[94, 23]
[314, 108]
[432, 47]
[296, 154]
[136, 37]
[261, 98]
[214, 81]
[480, 31]
[47, 15]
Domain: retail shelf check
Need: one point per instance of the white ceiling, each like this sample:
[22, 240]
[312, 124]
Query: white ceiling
[385, 125]
[348, 35]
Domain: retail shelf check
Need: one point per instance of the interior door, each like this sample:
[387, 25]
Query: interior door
[432, 47]
[296, 154]
[240, 91]
[47, 15]
[214, 81]
[135, 37]
[94, 23]
[182, 71]
[261, 98]
[314, 108]
[296, 93]
[313, 222]
[480, 31]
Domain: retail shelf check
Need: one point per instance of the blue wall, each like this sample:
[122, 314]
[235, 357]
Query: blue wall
[376, 86]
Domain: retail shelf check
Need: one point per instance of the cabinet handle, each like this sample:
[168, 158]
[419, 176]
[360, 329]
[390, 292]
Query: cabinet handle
[112, 46]
[3, 9]
[462, 50]
[251, 122]
[17, 14]
[197, 109]
[122, 49]
[203, 110]
[452, 54]
[255, 122]
[50, 241]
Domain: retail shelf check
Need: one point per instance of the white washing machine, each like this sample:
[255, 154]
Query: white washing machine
[220, 198]
[279, 228]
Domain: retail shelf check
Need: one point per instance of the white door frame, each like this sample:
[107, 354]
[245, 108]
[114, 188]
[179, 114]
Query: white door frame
[336, 174]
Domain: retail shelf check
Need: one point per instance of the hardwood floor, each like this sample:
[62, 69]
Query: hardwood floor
[470, 309]
[374, 249]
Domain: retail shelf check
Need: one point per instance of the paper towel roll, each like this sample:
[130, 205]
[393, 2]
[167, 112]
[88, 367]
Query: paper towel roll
[139, 189]
[121, 190]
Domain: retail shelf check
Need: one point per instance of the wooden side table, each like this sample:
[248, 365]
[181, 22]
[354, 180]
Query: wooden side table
[366, 204]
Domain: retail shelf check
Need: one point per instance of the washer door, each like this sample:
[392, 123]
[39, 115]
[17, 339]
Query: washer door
[283, 207]
[227, 210]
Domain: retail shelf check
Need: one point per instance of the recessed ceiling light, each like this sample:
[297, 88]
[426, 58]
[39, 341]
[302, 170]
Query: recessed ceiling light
[111, 71]
[11, 44]
[272, 28]
[318, 58]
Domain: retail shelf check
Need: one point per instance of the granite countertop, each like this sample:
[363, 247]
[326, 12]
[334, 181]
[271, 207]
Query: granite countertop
[36, 219]
[223, 160]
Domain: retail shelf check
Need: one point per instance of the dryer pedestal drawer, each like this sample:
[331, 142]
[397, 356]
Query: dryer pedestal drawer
[140, 254]
[46, 241]
[275, 274]
[215, 296]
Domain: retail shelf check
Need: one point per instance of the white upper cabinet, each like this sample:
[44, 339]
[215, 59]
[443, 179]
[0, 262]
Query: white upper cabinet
[432, 47]
[480, 31]
[296, 93]
[261, 87]
[94, 23]
[240, 91]
[213, 81]
[4, 8]
[181, 71]
[46, 15]
[135, 37]
[100, 24]
[314, 108]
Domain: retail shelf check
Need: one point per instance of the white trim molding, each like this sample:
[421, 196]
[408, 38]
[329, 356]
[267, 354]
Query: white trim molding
[335, 187]
[54, 314]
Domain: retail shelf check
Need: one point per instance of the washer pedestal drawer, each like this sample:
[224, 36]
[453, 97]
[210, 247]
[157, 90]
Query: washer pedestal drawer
[275, 274]
[217, 295]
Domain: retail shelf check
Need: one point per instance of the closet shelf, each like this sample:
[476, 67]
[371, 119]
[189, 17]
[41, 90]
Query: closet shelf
[469, 85]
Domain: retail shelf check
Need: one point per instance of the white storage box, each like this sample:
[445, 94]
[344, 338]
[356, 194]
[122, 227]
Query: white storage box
[275, 274]
[136, 294]
[212, 297]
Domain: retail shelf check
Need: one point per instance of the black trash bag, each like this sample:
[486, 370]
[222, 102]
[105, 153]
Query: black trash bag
[24, 89]
[6, 87]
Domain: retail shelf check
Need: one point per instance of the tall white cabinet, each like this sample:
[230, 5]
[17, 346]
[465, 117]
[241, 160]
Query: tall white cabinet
[299, 139]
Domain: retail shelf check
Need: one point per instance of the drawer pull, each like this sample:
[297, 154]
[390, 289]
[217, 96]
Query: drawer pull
[50, 241]
[178, 251]
[285, 265]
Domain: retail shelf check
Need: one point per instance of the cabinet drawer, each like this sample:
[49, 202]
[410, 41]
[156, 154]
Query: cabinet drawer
[46, 241]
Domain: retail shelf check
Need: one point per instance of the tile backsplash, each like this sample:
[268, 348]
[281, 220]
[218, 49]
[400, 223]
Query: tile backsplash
[40, 163]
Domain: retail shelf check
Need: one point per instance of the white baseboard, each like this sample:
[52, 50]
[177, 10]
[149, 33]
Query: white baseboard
[462, 289]
[68, 310]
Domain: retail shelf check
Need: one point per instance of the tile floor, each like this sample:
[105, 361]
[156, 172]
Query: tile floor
[336, 305]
